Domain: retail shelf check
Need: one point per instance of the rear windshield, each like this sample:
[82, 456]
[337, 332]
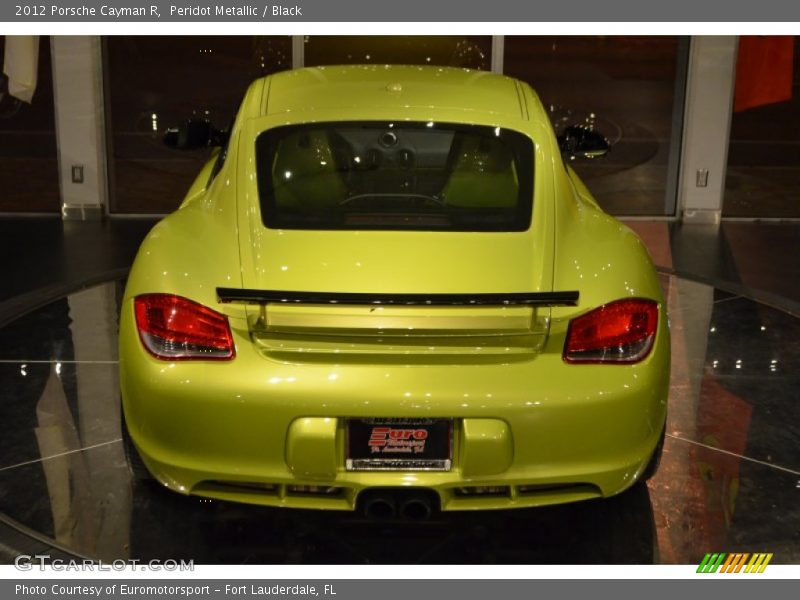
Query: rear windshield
[400, 175]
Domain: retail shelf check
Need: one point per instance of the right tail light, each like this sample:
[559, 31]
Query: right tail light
[619, 332]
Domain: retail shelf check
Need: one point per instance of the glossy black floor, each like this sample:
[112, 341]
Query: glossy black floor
[729, 480]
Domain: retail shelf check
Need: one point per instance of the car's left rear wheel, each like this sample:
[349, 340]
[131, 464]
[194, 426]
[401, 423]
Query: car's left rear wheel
[136, 466]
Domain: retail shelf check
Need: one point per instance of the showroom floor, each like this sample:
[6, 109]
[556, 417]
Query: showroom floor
[729, 479]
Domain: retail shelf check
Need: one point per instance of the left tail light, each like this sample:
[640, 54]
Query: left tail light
[617, 332]
[174, 328]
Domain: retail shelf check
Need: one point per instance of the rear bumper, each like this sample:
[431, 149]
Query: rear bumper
[251, 429]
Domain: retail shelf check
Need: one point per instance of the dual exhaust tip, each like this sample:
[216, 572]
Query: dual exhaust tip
[387, 504]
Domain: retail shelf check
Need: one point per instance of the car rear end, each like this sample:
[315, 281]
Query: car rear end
[399, 339]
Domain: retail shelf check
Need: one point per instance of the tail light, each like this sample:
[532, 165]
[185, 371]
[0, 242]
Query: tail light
[618, 332]
[174, 328]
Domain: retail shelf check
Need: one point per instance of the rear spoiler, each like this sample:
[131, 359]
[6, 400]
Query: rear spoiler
[246, 296]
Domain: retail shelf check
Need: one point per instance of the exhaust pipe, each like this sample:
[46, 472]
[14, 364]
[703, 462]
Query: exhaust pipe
[380, 506]
[416, 508]
[389, 503]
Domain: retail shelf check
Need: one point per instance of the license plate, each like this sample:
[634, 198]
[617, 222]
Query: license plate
[399, 444]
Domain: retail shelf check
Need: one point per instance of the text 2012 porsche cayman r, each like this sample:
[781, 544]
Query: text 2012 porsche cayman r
[388, 291]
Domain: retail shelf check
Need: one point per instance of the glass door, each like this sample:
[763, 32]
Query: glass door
[155, 82]
[28, 144]
[631, 89]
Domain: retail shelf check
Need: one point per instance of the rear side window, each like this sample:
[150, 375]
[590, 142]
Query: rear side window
[395, 175]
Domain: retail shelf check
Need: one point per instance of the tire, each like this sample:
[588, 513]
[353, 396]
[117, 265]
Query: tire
[655, 460]
[136, 466]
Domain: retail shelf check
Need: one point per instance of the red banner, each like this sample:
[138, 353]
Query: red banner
[764, 71]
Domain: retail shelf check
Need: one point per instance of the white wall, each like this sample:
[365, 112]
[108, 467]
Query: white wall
[709, 97]
[78, 95]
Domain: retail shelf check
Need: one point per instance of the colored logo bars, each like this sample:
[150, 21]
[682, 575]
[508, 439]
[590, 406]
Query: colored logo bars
[734, 563]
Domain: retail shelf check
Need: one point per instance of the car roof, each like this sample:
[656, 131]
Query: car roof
[392, 86]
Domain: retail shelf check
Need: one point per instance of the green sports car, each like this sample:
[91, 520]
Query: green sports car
[387, 292]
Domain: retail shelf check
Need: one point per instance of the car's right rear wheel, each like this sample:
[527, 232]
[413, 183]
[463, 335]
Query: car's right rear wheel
[655, 460]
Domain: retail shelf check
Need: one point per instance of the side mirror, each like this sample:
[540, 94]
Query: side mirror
[193, 134]
[578, 141]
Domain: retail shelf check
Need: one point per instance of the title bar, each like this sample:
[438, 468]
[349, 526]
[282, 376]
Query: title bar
[464, 11]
